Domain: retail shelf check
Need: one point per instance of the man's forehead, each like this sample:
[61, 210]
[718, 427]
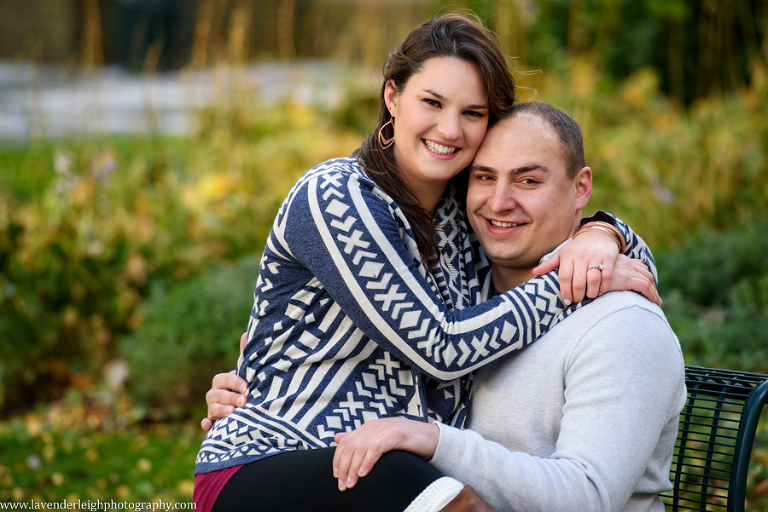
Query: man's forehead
[517, 124]
[517, 141]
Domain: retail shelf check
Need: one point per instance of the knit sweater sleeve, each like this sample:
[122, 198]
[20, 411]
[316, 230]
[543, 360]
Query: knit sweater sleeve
[354, 240]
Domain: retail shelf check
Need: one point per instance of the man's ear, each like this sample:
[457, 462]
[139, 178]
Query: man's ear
[583, 187]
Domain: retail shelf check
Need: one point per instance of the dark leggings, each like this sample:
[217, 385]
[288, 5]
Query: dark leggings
[303, 481]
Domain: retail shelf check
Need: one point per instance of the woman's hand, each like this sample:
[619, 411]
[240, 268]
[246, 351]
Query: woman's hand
[590, 264]
[631, 274]
[358, 451]
[577, 260]
[227, 392]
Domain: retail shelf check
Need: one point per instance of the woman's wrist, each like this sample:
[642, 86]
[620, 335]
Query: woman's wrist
[608, 229]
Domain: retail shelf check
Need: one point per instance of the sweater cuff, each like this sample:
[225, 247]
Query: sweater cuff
[448, 454]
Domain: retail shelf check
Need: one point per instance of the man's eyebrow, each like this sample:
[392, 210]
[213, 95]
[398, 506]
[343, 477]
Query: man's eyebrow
[482, 168]
[443, 98]
[531, 167]
[519, 170]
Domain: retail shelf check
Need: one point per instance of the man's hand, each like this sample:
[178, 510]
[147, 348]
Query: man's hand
[358, 451]
[227, 392]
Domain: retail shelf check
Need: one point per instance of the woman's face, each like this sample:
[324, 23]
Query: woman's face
[441, 116]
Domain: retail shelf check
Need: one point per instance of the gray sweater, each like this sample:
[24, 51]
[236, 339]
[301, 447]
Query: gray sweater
[584, 419]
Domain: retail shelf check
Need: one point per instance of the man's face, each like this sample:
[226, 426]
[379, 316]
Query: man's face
[520, 201]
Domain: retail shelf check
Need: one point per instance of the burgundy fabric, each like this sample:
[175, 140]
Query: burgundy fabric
[208, 486]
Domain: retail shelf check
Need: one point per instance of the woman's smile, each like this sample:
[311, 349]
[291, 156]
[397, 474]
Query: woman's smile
[440, 149]
[439, 123]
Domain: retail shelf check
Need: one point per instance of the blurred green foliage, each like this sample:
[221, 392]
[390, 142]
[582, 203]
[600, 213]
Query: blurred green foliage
[188, 334]
[75, 263]
[715, 292]
[697, 48]
[49, 464]
[87, 226]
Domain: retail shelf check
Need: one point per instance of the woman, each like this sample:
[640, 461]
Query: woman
[368, 302]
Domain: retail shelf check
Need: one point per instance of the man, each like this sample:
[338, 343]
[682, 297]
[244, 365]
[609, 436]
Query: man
[592, 417]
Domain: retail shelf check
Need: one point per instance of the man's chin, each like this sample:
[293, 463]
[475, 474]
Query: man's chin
[510, 261]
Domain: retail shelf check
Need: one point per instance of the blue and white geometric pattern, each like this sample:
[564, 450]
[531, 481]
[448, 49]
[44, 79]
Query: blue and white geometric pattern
[348, 325]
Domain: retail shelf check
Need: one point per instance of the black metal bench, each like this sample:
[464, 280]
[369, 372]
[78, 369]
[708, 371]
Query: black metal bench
[714, 444]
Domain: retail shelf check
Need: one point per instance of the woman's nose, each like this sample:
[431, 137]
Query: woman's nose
[450, 126]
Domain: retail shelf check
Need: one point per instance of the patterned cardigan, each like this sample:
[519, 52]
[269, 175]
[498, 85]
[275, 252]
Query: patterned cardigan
[348, 325]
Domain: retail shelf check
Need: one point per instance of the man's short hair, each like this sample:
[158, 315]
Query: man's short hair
[566, 128]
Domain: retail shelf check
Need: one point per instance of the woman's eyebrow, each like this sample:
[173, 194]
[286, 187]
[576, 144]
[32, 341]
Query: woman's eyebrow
[443, 98]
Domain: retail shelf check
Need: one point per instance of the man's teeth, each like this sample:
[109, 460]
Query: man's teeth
[500, 224]
[439, 148]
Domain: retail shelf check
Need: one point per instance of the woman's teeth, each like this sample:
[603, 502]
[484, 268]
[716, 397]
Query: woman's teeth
[439, 148]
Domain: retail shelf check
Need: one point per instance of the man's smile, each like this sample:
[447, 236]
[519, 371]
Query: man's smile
[503, 224]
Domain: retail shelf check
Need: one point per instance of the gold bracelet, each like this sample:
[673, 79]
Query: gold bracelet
[611, 230]
[605, 228]
[586, 229]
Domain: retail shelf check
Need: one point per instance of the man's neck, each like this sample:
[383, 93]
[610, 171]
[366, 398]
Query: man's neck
[505, 279]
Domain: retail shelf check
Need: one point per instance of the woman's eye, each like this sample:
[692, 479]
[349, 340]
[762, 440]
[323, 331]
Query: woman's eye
[432, 102]
[472, 113]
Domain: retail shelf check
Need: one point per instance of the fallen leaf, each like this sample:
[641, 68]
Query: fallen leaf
[144, 465]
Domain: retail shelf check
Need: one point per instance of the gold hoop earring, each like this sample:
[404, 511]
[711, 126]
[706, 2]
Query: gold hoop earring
[386, 143]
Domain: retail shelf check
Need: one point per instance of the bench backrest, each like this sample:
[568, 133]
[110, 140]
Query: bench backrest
[714, 443]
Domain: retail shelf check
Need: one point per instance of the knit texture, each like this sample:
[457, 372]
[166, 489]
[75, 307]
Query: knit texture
[436, 496]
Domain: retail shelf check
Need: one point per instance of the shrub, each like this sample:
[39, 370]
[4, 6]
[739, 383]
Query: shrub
[715, 292]
[86, 225]
[190, 332]
[74, 266]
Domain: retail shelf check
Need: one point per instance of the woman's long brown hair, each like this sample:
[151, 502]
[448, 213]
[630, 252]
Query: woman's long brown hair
[459, 35]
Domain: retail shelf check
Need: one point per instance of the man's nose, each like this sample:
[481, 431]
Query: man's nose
[502, 199]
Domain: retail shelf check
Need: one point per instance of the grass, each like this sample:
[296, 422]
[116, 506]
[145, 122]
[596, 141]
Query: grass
[71, 452]
[132, 465]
